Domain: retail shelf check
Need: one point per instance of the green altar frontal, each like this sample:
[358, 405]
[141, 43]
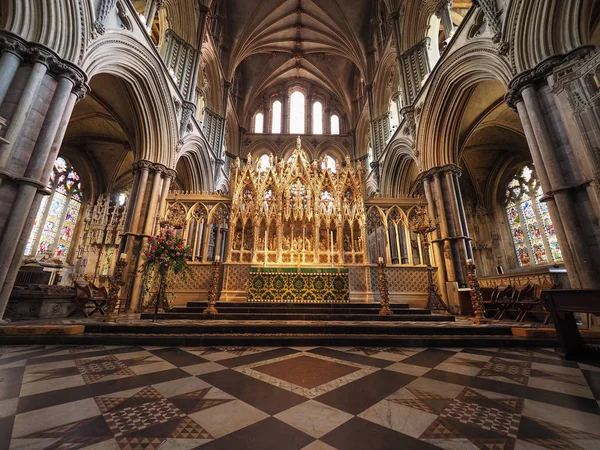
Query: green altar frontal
[272, 284]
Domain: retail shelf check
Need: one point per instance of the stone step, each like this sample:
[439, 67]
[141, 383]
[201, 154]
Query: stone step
[225, 308]
[293, 316]
[273, 340]
[307, 328]
[326, 305]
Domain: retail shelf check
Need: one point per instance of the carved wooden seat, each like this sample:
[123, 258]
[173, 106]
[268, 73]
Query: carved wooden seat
[87, 294]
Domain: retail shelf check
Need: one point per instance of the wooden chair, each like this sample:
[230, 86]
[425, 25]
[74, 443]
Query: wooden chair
[86, 293]
[534, 304]
[503, 300]
[563, 303]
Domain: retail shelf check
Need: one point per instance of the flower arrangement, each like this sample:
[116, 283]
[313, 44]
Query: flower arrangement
[166, 253]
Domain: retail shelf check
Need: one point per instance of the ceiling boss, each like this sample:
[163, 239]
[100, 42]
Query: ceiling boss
[297, 212]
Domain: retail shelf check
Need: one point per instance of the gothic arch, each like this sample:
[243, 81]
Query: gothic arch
[257, 146]
[399, 171]
[565, 27]
[57, 24]
[437, 131]
[195, 157]
[386, 83]
[156, 134]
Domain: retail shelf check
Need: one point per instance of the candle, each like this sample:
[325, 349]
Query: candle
[380, 260]
[217, 258]
[331, 246]
[469, 261]
[123, 256]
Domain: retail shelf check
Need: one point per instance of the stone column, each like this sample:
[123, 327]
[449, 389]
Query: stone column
[157, 171]
[203, 12]
[451, 242]
[308, 126]
[443, 12]
[558, 148]
[38, 92]
[169, 176]
[285, 113]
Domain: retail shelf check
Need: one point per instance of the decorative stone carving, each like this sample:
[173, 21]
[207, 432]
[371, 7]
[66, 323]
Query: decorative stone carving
[104, 7]
[541, 72]
[122, 13]
[492, 13]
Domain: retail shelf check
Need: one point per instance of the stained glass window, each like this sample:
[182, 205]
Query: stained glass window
[58, 213]
[533, 234]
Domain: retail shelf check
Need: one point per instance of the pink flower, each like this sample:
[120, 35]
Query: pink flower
[177, 254]
[172, 248]
[166, 264]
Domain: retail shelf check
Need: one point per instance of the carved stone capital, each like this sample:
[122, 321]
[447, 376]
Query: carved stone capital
[439, 170]
[160, 169]
[32, 53]
[170, 173]
[541, 72]
[143, 164]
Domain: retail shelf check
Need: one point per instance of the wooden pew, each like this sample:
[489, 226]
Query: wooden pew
[563, 303]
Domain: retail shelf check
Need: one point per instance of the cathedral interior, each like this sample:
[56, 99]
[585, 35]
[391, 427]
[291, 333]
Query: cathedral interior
[380, 221]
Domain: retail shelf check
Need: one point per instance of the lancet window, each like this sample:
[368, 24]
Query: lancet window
[57, 215]
[317, 117]
[335, 124]
[276, 117]
[297, 113]
[531, 228]
[259, 120]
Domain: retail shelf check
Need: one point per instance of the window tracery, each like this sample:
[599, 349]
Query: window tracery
[56, 219]
[533, 234]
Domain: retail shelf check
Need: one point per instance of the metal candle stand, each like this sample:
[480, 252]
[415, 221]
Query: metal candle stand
[476, 295]
[213, 293]
[383, 291]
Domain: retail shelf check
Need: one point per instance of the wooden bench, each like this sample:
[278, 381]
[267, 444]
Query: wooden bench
[85, 294]
[563, 303]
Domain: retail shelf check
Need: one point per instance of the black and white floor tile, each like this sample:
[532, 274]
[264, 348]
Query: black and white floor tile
[321, 398]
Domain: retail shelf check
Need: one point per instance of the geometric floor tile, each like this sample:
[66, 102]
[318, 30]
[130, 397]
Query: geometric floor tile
[300, 398]
[517, 371]
[94, 370]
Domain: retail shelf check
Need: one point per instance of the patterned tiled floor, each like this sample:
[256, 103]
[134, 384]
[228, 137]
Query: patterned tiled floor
[238, 398]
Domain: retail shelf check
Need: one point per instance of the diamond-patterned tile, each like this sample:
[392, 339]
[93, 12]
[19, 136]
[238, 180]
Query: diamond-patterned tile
[311, 398]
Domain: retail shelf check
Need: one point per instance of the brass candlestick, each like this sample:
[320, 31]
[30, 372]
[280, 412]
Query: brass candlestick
[114, 287]
[422, 225]
[383, 291]
[476, 295]
[213, 293]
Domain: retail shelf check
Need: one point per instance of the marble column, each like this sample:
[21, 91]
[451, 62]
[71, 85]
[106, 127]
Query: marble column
[38, 92]
[560, 150]
[451, 241]
[169, 175]
[136, 291]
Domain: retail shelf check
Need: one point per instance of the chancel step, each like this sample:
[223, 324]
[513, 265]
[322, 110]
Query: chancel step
[299, 316]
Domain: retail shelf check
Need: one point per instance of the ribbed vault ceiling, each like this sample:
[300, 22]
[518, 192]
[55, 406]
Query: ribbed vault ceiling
[275, 41]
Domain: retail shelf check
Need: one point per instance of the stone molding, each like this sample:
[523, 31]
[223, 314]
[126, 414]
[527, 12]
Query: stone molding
[541, 72]
[32, 53]
[439, 170]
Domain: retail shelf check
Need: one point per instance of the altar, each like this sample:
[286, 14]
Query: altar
[298, 285]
